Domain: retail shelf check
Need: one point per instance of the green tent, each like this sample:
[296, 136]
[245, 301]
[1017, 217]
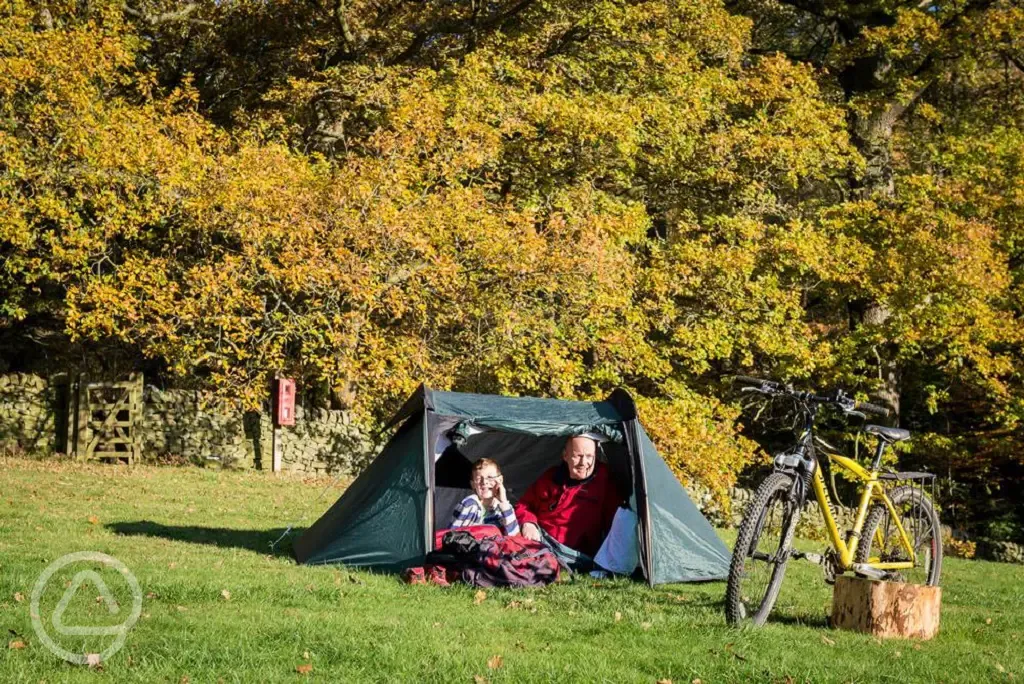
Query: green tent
[387, 518]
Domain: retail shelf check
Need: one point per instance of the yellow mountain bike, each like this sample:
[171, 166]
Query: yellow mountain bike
[895, 534]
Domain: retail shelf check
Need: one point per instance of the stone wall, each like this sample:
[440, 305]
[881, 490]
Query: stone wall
[322, 441]
[183, 424]
[27, 416]
[1001, 551]
[187, 426]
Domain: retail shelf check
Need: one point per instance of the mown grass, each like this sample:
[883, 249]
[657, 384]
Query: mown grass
[190, 535]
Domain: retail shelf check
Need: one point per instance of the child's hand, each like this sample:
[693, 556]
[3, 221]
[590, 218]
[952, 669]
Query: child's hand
[499, 483]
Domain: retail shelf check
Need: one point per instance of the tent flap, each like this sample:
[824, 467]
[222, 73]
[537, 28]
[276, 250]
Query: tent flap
[684, 545]
[467, 428]
[380, 519]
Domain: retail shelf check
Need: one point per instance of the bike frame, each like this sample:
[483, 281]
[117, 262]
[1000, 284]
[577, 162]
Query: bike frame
[872, 491]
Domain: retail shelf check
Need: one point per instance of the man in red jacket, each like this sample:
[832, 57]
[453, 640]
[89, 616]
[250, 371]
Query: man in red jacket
[574, 502]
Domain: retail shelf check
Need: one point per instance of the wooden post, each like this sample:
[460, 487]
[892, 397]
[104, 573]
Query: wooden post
[886, 609]
[82, 432]
[135, 417]
[275, 435]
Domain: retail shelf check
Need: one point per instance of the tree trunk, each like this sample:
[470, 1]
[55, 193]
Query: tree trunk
[886, 609]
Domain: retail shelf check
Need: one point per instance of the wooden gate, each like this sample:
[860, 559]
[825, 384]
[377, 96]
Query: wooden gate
[107, 420]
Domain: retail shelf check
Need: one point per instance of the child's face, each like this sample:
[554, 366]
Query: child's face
[485, 482]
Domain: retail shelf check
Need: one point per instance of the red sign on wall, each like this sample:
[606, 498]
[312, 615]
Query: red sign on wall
[285, 413]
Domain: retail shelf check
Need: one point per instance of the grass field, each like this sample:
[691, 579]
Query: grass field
[218, 606]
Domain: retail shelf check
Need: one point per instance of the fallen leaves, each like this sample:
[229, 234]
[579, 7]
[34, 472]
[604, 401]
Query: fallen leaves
[19, 597]
[828, 642]
[618, 616]
[225, 594]
[92, 659]
[304, 669]
[478, 679]
[16, 645]
[479, 597]
[93, 520]
[495, 662]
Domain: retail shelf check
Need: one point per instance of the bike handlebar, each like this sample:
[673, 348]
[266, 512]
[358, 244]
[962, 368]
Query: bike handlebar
[773, 386]
[872, 408]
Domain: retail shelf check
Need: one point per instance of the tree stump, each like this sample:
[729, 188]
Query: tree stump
[886, 609]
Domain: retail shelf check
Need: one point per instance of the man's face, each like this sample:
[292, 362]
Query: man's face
[580, 455]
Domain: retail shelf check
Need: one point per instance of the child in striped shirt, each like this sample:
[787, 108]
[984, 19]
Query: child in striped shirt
[489, 504]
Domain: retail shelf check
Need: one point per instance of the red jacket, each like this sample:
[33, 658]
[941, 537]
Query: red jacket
[578, 515]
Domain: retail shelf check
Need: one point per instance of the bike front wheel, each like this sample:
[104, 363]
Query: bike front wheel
[881, 541]
[761, 552]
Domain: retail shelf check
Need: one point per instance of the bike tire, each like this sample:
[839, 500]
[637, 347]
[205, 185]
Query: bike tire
[775, 488]
[878, 514]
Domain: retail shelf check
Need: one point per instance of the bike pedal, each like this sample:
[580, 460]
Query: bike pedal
[815, 558]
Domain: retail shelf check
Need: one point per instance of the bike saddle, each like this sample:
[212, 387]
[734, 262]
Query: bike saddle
[889, 434]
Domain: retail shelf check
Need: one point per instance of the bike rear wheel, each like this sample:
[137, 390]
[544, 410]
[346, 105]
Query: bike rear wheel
[881, 539]
[761, 552]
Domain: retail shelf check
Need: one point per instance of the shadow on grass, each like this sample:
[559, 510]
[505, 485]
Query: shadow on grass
[253, 540]
[818, 620]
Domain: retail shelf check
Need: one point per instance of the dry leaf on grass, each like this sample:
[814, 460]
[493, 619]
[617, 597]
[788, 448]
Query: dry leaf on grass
[92, 659]
[697, 681]
[479, 597]
[225, 594]
[305, 655]
[16, 644]
[477, 679]
[495, 662]
[93, 520]
[19, 597]
[618, 616]
[304, 669]
[1000, 667]
[988, 621]
[646, 625]
[827, 641]
[664, 681]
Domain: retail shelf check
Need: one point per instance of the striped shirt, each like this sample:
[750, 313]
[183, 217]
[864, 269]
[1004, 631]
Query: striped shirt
[470, 511]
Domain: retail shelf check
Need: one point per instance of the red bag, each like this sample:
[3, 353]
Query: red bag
[511, 562]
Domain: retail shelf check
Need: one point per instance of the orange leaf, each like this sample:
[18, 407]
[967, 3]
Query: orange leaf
[495, 662]
[16, 644]
[479, 597]
[304, 669]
